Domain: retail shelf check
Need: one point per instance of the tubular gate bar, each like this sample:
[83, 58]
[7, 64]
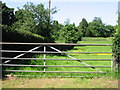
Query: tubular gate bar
[44, 52]
[56, 44]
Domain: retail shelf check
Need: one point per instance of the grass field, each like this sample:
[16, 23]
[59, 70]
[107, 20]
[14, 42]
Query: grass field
[75, 63]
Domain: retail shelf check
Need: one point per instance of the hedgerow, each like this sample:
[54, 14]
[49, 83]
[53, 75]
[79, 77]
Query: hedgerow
[116, 47]
[20, 36]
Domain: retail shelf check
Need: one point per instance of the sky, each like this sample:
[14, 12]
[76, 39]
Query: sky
[75, 10]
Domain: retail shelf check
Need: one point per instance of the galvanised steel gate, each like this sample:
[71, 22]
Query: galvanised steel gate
[6, 60]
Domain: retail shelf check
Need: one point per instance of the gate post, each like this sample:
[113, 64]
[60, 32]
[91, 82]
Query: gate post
[44, 59]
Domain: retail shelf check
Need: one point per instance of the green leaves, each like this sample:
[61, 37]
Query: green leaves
[35, 19]
[69, 34]
[116, 47]
[96, 28]
[20, 36]
[83, 26]
[7, 15]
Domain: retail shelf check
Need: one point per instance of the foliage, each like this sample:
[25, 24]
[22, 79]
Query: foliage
[7, 14]
[55, 28]
[96, 28]
[69, 34]
[20, 36]
[116, 46]
[97, 19]
[83, 26]
[67, 22]
[34, 18]
[109, 30]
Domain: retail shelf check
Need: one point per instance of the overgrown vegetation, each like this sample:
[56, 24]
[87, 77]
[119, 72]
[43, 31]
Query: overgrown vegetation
[116, 46]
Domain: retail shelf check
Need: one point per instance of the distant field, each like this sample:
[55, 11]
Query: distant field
[97, 40]
[76, 63]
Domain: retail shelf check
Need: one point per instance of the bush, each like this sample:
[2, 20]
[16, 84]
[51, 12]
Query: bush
[20, 36]
[69, 34]
[116, 47]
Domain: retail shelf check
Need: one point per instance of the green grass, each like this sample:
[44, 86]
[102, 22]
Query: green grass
[96, 40]
[76, 63]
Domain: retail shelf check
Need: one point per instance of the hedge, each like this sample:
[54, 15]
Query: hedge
[20, 36]
[116, 47]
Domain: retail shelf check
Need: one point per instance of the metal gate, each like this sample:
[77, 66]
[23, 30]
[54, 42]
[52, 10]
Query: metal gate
[6, 60]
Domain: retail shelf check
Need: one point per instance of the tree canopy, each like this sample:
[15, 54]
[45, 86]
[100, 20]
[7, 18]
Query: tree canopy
[7, 15]
[96, 28]
[69, 34]
[83, 26]
[34, 18]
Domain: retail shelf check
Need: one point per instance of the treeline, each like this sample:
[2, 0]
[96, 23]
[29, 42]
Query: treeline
[32, 23]
[71, 33]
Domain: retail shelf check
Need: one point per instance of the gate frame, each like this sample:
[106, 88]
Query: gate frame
[44, 57]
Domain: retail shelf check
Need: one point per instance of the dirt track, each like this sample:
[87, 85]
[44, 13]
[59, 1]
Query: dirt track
[60, 83]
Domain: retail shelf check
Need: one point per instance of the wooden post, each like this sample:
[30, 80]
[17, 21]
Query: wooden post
[49, 7]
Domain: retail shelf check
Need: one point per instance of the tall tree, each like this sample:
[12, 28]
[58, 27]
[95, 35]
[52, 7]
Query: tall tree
[109, 30]
[7, 15]
[34, 18]
[83, 26]
[96, 29]
[67, 22]
[69, 34]
[97, 19]
[56, 29]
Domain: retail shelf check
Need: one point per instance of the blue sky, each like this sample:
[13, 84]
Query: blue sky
[75, 10]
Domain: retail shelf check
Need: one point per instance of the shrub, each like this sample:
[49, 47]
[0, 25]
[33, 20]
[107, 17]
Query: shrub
[116, 47]
[20, 36]
[69, 34]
